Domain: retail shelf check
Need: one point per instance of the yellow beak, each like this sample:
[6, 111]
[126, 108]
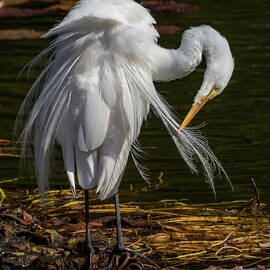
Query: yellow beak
[198, 105]
[193, 111]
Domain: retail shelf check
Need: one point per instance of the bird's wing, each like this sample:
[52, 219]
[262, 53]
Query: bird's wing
[110, 115]
[93, 122]
[103, 41]
[113, 153]
[91, 26]
[65, 138]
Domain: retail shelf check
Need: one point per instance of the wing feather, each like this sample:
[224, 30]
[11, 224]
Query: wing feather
[93, 122]
[87, 165]
[65, 137]
[113, 154]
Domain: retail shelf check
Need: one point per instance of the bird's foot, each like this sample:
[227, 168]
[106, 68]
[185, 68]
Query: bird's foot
[126, 255]
[92, 250]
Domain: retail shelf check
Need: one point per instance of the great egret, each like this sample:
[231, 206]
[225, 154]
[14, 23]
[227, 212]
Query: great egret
[97, 88]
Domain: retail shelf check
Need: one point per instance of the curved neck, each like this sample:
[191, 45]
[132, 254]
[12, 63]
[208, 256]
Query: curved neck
[175, 64]
[196, 41]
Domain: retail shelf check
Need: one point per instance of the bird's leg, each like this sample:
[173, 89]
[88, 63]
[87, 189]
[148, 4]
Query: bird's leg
[120, 247]
[90, 250]
[119, 242]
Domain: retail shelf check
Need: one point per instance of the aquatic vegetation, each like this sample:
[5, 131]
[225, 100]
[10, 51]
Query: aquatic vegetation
[171, 232]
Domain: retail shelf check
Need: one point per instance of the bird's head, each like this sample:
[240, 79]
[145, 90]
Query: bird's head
[219, 68]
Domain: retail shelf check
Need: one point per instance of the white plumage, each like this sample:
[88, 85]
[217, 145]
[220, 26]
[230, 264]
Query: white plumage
[97, 89]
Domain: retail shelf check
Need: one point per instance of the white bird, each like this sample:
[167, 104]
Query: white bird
[97, 88]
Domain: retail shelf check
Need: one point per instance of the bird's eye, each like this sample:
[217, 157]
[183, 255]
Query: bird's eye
[214, 90]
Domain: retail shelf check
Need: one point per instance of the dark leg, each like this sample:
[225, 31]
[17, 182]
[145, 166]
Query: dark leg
[89, 247]
[120, 248]
[118, 222]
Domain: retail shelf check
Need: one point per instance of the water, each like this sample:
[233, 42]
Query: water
[238, 120]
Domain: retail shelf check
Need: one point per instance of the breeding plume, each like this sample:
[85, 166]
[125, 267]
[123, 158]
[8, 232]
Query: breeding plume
[97, 88]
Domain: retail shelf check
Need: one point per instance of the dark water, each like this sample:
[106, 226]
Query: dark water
[238, 120]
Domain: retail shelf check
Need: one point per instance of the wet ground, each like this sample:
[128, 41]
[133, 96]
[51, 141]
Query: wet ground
[173, 234]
